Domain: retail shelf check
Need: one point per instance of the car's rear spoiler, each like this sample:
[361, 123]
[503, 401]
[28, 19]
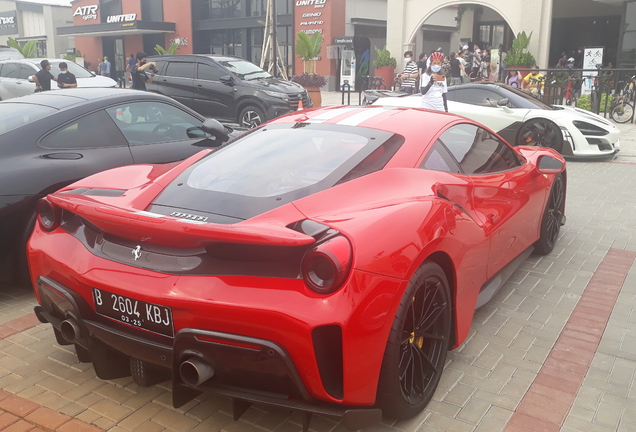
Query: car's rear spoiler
[175, 232]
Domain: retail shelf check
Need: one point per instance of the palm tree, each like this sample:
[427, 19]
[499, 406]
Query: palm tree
[171, 49]
[308, 48]
[28, 50]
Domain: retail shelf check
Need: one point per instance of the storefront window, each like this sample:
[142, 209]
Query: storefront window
[628, 48]
[498, 32]
[217, 9]
[227, 42]
[152, 10]
[109, 8]
[484, 33]
[256, 7]
[256, 44]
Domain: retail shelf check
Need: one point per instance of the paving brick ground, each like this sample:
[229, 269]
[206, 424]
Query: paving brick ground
[511, 374]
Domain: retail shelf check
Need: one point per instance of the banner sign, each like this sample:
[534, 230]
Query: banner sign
[8, 23]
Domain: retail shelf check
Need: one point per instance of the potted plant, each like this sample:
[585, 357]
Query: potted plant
[384, 66]
[172, 49]
[519, 57]
[308, 48]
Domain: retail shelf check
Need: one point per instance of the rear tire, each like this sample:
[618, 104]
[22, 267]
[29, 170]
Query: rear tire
[622, 113]
[251, 117]
[552, 217]
[20, 262]
[418, 343]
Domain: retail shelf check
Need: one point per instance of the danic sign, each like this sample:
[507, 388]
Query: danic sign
[87, 12]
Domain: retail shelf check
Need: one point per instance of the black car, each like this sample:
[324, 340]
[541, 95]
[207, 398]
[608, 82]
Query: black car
[51, 139]
[227, 88]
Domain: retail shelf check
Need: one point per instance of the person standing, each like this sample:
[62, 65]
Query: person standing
[421, 64]
[43, 78]
[461, 57]
[433, 85]
[104, 67]
[456, 69]
[66, 79]
[409, 76]
[502, 66]
[132, 62]
[476, 62]
[140, 77]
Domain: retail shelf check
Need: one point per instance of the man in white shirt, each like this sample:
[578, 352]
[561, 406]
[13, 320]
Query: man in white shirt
[476, 61]
[462, 61]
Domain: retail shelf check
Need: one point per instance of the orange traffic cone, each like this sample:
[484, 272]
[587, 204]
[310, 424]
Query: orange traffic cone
[300, 104]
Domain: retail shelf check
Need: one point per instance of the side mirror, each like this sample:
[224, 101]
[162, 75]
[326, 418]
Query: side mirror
[216, 129]
[30, 79]
[226, 79]
[549, 165]
[92, 73]
[503, 102]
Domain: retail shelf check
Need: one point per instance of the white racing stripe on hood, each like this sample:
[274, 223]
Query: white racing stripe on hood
[356, 119]
[328, 115]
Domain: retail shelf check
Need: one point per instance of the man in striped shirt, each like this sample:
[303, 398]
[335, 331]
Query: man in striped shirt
[409, 76]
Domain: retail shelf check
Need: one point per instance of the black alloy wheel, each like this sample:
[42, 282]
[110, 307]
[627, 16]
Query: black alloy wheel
[417, 347]
[251, 117]
[541, 133]
[552, 217]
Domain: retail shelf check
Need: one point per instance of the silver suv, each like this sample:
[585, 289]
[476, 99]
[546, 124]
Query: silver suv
[16, 81]
[8, 53]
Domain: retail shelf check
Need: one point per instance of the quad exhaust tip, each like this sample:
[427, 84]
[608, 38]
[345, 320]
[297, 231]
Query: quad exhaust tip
[195, 371]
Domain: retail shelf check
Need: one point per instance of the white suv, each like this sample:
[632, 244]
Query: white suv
[15, 76]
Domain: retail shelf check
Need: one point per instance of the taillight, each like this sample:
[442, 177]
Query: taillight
[48, 215]
[326, 267]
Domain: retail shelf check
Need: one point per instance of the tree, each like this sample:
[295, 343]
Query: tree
[308, 48]
[28, 50]
[171, 49]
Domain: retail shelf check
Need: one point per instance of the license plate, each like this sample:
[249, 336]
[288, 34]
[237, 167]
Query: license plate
[136, 313]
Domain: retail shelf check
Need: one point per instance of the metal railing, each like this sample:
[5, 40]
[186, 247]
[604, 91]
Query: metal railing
[564, 86]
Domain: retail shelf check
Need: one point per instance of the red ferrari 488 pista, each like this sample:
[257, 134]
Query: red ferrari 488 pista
[326, 261]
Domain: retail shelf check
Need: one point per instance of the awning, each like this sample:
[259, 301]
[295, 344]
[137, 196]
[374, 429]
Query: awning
[118, 29]
[28, 38]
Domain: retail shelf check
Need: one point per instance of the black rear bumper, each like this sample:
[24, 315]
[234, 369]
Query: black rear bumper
[248, 370]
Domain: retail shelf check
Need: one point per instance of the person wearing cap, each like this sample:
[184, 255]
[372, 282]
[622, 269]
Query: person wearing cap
[433, 85]
[140, 78]
[43, 78]
[66, 79]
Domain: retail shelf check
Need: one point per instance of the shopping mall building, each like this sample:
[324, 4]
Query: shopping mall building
[351, 28]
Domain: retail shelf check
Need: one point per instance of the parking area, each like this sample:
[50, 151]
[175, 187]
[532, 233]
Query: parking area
[555, 350]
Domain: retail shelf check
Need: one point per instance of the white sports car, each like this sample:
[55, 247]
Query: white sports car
[521, 119]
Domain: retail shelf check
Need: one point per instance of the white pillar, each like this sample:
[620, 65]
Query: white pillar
[395, 27]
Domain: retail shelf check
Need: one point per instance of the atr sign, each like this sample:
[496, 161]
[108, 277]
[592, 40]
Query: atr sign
[8, 23]
[87, 12]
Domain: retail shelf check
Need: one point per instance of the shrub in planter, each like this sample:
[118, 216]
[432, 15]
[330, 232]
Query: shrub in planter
[585, 103]
[384, 66]
[309, 80]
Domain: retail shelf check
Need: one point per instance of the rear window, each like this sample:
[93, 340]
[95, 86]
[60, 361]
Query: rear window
[15, 115]
[277, 160]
